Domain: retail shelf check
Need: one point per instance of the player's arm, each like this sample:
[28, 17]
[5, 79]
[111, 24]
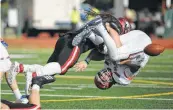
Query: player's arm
[93, 55]
[15, 89]
[114, 34]
[112, 41]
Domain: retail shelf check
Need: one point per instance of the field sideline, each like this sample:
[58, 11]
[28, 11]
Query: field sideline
[151, 89]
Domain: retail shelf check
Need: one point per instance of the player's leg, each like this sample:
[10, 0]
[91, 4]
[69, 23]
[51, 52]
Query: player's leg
[35, 95]
[65, 54]
[4, 106]
[11, 79]
[38, 69]
[34, 98]
[49, 69]
[21, 68]
[30, 72]
[96, 39]
[66, 59]
[37, 83]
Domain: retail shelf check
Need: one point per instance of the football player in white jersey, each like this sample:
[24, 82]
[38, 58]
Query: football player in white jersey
[123, 69]
[5, 65]
[124, 59]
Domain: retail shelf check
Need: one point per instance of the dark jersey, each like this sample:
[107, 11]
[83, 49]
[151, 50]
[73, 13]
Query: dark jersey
[66, 54]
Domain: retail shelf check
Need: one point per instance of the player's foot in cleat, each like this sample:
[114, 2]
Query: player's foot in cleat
[14, 70]
[41, 80]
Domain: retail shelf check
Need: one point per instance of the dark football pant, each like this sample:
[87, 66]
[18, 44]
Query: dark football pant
[20, 106]
[66, 54]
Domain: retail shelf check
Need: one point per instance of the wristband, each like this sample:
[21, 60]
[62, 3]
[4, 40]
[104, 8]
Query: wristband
[87, 61]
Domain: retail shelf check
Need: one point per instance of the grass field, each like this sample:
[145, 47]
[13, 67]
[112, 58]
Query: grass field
[151, 89]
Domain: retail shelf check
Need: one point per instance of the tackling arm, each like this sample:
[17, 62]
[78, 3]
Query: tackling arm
[112, 41]
[115, 36]
[93, 55]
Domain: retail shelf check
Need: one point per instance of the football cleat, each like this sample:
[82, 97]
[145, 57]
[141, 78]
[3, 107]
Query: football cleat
[86, 31]
[14, 70]
[41, 80]
[81, 37]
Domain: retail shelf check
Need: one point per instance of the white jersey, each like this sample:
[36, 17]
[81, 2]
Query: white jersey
[5, 62]
[3, 51]
[122, 74]
[133, 43]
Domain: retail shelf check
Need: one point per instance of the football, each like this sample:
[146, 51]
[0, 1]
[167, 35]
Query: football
[154, 49]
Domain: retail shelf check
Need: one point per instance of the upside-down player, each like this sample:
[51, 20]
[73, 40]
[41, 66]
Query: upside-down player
[126, 55]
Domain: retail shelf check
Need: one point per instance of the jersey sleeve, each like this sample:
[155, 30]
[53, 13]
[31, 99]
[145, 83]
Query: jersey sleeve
[95, 55]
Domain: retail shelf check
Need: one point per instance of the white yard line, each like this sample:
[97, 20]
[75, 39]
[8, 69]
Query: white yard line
[148, 65]
[83, 86]
[146, 71]
[23, 56]
[155, 78]
[67, 88]
[158, 66]
[79, 96]
[157, 71]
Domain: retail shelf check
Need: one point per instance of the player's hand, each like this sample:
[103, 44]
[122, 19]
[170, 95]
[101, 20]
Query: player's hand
[80, 66]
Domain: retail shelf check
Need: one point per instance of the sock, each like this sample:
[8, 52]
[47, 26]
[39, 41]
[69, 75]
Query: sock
[49, 69]
[31, 68]
[25, 68]
[21, 68]
[35, 87]
[17, 94]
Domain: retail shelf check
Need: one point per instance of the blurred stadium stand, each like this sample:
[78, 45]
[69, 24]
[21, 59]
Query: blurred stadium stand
[32, 17]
